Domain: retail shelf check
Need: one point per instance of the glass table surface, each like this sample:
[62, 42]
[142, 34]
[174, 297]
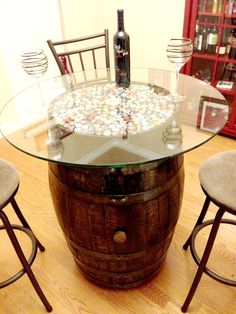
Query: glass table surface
[115, 161]
[85, 119]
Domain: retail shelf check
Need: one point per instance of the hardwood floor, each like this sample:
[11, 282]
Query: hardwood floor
[70, 292]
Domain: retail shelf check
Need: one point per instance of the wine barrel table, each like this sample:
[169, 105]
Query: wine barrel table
[115, 157]
[118, 222]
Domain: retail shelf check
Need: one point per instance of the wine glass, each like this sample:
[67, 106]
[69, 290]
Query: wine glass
[179, 51]
[34, 62]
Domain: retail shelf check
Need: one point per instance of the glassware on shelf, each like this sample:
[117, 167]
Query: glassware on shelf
[34, 62]
[179, 51]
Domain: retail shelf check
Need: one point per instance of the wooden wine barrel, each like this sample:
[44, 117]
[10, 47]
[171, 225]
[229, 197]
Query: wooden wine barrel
[118, 222]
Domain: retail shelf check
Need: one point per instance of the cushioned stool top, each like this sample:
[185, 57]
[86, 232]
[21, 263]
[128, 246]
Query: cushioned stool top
[9, 180]
[218, 178]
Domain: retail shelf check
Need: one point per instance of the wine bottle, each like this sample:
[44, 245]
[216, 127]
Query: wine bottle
[230, 6]
[121, 52]
[199, 39]
[204, 40]
[215, 6]
[196, 38]
[223, 45]
[220, 6]
[212, 40]
[229, 40]
[232, 52]
[204, 6]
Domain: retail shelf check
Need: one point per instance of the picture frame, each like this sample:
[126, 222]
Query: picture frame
[208, 110]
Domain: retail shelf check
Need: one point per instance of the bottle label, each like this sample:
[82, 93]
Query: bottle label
[228, 49]
[120, 53]
[122, 66]
[222, 50]
[212, 39]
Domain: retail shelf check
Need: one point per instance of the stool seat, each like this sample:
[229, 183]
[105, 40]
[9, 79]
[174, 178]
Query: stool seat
[9, 181]
[217, 177]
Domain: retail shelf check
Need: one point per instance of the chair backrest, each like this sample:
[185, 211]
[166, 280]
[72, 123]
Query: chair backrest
[82, 53]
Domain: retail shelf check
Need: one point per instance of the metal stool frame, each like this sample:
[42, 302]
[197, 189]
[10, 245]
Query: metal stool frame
[35, 244]
[209, 245]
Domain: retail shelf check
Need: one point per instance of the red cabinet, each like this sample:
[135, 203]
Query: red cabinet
[211, 24]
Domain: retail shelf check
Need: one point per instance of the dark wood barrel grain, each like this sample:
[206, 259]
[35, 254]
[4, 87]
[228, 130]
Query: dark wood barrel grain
[118, 222]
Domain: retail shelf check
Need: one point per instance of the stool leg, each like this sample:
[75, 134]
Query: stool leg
[204, 259]
[24, 222]
[199, 221]
[23, 260]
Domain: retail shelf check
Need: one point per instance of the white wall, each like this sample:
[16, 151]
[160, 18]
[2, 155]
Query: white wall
[81, 17]
[150, 23]
[29, 23]
[24, 24]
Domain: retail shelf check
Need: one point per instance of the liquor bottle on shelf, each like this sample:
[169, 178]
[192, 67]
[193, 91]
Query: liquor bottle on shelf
[234, 9]
[196, 38]
[203, 6]
[208, 31]
[230, 38]
[204, 40]
[220, 6]
[212, 40]
[214, 9]
[121, 53]
[223, 45]
[232, 53]
[229, 7]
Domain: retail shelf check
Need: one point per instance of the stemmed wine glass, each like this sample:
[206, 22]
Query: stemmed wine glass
[179, 51]
[34, 62]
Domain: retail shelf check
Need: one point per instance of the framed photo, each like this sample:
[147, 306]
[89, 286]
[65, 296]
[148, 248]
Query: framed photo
[213, 113]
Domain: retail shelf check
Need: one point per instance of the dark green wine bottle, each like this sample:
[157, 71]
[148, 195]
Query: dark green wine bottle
[121, 53]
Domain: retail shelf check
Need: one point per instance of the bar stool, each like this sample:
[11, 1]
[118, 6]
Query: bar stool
[9, 184]
[217, 177]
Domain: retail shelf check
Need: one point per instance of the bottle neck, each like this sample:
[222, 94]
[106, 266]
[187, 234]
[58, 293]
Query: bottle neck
[120, 19]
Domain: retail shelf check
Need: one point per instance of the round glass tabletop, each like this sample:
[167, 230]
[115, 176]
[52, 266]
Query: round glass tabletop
[85, 119]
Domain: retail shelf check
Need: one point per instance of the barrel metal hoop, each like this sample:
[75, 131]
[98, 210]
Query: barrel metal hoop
[128, 199]
[116, 256]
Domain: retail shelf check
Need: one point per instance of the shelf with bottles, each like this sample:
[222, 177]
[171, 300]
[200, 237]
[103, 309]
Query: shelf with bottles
[213, 40]
[221, 7]
[211, 24]
[211, 71]
[214, 28]
[216, 19]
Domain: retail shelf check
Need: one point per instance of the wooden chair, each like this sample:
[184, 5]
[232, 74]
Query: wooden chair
[218, 180]
[71, 54]
[9, 184]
